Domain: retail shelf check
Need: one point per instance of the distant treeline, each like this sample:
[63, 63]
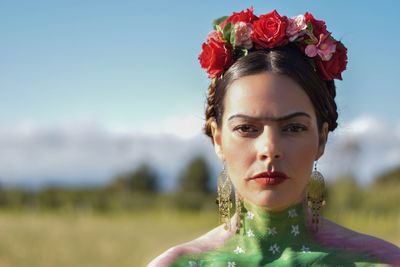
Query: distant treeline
[140, 190]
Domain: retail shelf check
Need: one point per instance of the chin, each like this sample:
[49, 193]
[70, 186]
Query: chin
[271, 201]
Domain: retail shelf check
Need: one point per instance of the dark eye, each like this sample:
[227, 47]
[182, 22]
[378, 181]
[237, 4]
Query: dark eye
[245, 128]
[295, 128]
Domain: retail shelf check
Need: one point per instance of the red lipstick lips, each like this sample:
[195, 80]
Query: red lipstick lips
[269, 178]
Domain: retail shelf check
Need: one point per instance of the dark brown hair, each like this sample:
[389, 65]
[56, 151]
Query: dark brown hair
[287, 60]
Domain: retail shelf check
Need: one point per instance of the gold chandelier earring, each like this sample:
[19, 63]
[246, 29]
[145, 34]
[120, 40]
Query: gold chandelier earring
[224, 200]
[239, 212]
[316, 196]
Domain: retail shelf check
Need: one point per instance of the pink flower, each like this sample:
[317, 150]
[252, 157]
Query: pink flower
[333, 68]
[296, 27]
[311, 50]
[243, 33]
[324, 48]
[214, 35]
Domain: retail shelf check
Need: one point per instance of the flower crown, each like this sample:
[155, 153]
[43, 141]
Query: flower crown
[237, 35]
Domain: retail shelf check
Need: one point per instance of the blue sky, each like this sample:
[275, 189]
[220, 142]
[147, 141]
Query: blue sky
[91, 88]
[135, 62]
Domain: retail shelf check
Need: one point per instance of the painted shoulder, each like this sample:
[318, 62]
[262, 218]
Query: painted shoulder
[334, 235]
[209, 241]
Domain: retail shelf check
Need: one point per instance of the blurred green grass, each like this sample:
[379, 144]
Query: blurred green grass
[97, 227]
[127, 239]
[70, 239]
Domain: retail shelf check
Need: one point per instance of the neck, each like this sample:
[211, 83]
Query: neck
[265, 224]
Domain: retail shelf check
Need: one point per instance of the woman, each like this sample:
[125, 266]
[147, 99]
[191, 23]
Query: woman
[270, 108]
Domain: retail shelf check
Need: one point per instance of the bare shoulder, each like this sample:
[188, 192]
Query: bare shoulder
[335, 235]
[209, 241]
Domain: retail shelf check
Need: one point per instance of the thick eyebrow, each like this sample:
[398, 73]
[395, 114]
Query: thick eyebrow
[283, 118]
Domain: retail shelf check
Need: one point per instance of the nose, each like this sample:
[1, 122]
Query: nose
[268, 145]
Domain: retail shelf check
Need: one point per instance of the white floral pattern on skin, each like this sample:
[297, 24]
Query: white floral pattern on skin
[250, 233]
[250, 215]
[274, 249]
[305, 249]
[194, 264]
[295, 230]
[272, 231]
[238, 250]
[292, 213]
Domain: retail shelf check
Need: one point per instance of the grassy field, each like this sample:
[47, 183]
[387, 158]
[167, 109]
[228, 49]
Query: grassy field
[70, 239]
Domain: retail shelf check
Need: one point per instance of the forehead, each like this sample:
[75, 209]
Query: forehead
[266, 94]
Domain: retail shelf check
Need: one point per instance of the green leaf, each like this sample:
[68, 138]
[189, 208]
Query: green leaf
[309, 42]
[310, 27]
[218, 21]
[233, 38]
[218, 28]
[227, 32]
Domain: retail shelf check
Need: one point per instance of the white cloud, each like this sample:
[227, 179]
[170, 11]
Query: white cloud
[183, 127]
[87, 152]
[365, 147]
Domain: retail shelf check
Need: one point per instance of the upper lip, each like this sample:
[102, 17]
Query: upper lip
[269, 174]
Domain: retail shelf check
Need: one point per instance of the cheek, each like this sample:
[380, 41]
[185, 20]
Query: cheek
[305, 149]
[300, 156]
[239, 155]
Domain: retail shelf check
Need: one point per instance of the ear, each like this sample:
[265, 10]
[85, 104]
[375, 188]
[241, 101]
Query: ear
[216, 133]
[323, 138]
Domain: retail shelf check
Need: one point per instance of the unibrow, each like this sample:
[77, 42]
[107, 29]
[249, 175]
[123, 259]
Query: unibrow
[283, 118]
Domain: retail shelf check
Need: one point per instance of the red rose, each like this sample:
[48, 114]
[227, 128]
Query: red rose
[319, 26]
[243, 16]
[270, 30]
[333, 68]
[215, 56]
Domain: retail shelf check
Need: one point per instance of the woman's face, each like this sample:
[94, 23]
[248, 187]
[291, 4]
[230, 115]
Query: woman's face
[269, 125]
